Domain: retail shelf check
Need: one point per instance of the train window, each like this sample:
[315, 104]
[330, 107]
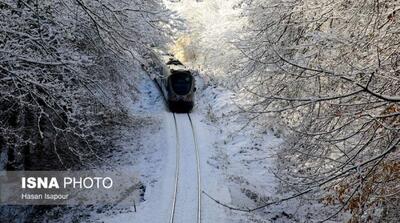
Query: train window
[181, 83]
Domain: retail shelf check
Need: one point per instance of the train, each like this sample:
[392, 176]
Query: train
[174, 79]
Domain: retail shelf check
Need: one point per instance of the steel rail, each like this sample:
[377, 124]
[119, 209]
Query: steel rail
[171, 220]
[198, 170]
[197, 153]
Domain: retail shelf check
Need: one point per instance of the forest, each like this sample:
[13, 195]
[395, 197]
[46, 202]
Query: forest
[324, 74]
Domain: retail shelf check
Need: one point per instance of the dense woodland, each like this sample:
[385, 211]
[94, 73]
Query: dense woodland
[328, 73]
[65, 66]
[66, 81]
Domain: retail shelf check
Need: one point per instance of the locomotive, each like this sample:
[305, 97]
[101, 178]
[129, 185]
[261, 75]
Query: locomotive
[175, 81]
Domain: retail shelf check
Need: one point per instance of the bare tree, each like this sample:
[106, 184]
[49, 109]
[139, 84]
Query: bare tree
[330, 70]
[56, 58]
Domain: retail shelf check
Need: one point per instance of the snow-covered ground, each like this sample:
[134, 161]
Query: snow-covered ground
[237, 159]
[238, 156]
[241, 153]
[235, 163]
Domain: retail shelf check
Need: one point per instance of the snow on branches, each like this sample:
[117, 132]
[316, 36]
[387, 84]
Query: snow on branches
[57, 60]
[330, 70]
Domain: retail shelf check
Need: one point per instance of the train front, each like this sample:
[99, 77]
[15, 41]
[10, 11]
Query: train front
[181, 91]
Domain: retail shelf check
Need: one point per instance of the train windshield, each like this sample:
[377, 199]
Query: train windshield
[174, 62]
[181, 82]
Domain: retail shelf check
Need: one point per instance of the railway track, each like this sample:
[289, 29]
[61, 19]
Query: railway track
[186, 201]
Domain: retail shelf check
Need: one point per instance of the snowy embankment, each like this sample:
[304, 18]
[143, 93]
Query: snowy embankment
[242, 153]
[148, 153]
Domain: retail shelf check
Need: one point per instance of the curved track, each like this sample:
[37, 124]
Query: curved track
[186, 201]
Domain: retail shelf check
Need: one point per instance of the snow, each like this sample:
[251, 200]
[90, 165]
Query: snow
[186, 201]
[237, 156]
[212, 180]
[211, 29]
[151, 159]
[244, 157]
[235, 164]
